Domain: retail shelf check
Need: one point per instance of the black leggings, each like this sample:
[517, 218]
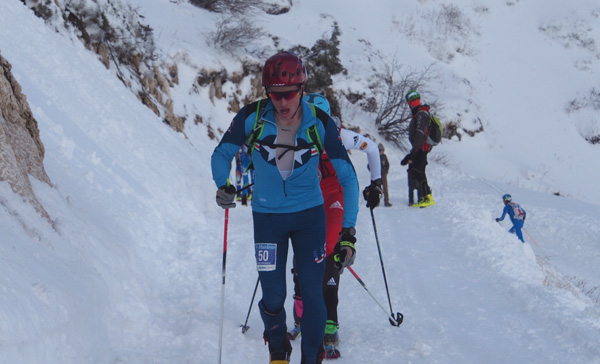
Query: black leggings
[417, 179]
[331, 281]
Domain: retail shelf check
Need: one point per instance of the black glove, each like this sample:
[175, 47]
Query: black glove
[497, 219]
[406, 159]
[344, 251]
[372, 193]
[225, 196]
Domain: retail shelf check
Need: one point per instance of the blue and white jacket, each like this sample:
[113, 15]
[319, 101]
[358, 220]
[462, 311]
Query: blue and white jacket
[514, 211]
[301, 190]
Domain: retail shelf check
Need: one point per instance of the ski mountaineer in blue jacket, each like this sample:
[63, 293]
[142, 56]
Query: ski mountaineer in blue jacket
[517, 216]
[287, 202]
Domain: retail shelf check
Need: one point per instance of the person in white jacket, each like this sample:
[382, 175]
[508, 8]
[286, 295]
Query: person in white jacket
[354, 140]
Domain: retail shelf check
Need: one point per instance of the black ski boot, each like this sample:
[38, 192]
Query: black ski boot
[331, 340]
[279, 357]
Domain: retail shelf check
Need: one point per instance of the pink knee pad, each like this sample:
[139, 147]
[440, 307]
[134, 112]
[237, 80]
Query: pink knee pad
[298, 306]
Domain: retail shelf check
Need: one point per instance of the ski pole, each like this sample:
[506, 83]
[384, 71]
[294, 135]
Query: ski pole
[223, 283]
[245, 326]
[395, 321]
[382, 267]
[532, 239]
[245, 187]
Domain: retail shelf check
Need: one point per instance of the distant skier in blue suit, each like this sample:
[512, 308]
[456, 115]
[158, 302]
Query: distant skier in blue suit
[516, 214]
[244, 177]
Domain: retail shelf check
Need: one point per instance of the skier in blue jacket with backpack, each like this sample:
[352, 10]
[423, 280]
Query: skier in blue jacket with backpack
[286, 137]
[517, 216]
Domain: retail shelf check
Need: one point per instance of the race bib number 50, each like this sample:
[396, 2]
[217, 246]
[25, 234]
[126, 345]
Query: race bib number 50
[266, 256]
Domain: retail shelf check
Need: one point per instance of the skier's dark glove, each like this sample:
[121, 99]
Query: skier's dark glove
[372, 193]
[225, 196]
[406, 159]
[344, 251]
[497, 219]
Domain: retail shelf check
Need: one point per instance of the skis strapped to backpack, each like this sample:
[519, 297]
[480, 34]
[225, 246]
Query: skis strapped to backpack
[254, 136]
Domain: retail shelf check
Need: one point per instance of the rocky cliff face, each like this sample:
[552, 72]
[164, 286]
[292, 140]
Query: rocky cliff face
[124, 43]
[21, 150]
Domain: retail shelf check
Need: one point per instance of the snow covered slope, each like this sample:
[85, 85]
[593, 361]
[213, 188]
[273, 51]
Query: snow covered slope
[131, 270]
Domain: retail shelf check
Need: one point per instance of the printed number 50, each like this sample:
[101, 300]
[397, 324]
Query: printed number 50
[263, 255]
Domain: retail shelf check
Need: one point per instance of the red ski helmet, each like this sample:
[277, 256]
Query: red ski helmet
[284, 69]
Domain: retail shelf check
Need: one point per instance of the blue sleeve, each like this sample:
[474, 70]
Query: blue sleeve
[345, 172]
[505, 211]
[229, 145]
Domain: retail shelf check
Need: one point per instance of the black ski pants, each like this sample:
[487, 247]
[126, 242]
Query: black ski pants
[417, 179]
